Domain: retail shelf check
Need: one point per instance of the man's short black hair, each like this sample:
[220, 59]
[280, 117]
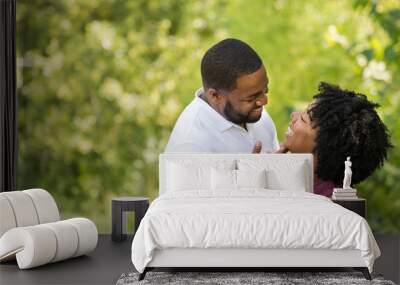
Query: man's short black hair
[347, 125]
[225, 62]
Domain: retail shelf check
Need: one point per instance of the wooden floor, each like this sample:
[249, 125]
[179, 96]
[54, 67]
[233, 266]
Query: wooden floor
[111, 259]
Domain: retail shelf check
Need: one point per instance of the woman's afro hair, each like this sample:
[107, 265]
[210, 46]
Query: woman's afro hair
[347, 125]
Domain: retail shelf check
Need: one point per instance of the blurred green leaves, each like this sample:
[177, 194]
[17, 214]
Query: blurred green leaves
[100, 85]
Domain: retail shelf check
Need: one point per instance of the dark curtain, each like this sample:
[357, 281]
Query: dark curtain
[8, 97]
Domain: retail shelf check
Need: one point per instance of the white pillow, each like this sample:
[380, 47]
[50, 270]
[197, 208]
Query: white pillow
[282, 174]
[251, 178]
[188, 177]
[293, 180]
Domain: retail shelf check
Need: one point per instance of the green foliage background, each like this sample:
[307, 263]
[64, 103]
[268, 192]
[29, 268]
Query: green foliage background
[101, 83]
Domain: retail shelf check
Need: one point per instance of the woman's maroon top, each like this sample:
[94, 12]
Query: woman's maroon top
[324, 188]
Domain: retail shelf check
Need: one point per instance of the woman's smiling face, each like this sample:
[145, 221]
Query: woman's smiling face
[301, 136]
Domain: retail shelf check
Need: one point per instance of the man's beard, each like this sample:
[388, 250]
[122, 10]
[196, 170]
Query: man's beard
[236, 117]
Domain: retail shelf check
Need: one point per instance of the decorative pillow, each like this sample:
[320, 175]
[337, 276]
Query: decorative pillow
[251, 178]
[223, 179]
[228, 179]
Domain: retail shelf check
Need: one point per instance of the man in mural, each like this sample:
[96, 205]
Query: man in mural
[227, 114]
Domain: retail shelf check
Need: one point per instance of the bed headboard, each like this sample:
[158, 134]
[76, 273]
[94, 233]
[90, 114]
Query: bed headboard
[277, 161]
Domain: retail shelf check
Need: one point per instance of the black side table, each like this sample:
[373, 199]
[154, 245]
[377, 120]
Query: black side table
[119, 206]
[358, 206]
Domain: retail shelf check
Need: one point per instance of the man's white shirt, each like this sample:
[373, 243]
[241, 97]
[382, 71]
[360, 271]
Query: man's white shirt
[200, 128]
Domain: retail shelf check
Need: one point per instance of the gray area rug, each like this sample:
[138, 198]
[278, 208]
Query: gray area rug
[225, 278]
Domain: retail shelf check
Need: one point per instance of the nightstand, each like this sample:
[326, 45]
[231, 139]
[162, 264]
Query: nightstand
[119, 206]
[358, 206]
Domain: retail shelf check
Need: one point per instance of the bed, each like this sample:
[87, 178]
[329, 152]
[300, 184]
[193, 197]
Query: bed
[247, 210]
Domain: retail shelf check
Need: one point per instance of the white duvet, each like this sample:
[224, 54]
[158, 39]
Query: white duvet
[254, 218]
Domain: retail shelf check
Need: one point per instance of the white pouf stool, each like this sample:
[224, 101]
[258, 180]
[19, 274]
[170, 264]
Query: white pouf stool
[31, 230]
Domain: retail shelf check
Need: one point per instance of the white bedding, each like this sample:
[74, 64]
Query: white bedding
[251, 218]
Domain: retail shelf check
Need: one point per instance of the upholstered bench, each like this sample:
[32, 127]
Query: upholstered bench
[31, 230]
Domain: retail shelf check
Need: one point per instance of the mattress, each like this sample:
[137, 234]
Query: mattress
[250, 219]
